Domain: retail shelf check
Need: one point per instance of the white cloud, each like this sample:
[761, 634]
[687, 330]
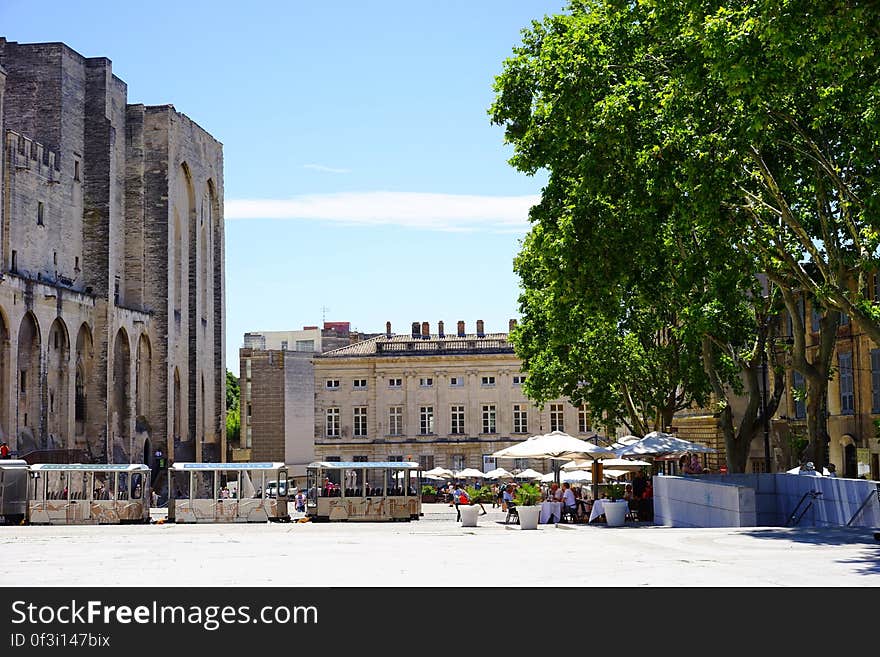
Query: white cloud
[447, 212]
[325, 169]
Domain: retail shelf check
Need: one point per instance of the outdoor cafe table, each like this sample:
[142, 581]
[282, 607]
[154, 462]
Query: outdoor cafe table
[598, 508]
[550, 510]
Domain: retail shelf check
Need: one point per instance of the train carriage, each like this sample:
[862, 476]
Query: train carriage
[363, 491]
[227, 492]
[13, 490]
[88, 494]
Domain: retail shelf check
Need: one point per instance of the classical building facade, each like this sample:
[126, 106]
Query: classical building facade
[443, 399]
[112, 293]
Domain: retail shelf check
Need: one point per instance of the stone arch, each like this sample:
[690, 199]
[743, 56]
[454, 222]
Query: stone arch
[58, 385]
[143, 377]
[848, 459]
[216, 292]
[82, 374]
[28, 384]
[184, 226]
[120, 397]
[4, 378]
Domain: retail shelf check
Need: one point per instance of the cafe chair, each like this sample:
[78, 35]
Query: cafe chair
[569, 512]
[511, 513]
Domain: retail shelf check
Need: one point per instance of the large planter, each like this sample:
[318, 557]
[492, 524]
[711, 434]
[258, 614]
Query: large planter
[528, 516]
[615, 512]
[469, 515]
[428, 499]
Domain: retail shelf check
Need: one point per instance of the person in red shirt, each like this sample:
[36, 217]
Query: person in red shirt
[4, 450]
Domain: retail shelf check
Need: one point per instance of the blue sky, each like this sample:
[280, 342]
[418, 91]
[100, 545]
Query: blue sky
[362, 174]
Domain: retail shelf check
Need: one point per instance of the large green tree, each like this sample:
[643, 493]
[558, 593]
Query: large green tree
[233, 411]
[640, 220]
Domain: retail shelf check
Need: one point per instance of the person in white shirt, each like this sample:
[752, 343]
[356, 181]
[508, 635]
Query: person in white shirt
[569, 502]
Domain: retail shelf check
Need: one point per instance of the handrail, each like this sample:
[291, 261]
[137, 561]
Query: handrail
[875, 492]
[812, 494]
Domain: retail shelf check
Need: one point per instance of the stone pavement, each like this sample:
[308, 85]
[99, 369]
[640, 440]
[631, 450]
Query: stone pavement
[437, 551]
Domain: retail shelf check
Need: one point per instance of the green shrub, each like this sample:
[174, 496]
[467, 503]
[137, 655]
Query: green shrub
[427, 489]
[479, 495]
[527, 495]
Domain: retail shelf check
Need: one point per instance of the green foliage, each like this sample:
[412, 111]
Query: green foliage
[689, 147]
[233, 426]
[233, 391]
[527, 495]
[615, 491]
[427, 489]
[479, 495]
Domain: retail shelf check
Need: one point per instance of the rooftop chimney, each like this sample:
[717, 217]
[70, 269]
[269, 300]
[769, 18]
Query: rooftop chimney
[480, 332]
[440, 329]
[426, 330]
[511, 325]
[460, 329]
[415, 329]
[388, 330]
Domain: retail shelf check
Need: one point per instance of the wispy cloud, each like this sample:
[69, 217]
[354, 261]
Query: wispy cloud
[325, 169]
[445, 212]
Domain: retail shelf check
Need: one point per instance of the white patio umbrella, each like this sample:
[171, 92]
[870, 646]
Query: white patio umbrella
[618, 464]
[529, 474]
[556, 445]
[499, 473]
[576, 476]
[469, 473]
[797, 470]
[443, 473]
[658, 443]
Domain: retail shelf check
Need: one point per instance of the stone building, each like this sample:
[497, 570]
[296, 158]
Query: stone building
[442, 399]
[278, 392]
[112, 293]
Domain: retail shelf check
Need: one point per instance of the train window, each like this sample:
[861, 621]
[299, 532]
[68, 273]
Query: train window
[137, 486]
[204, 485]
[56, 485]
[80, 485]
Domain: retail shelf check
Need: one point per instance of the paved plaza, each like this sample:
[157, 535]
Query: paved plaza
[437, 551]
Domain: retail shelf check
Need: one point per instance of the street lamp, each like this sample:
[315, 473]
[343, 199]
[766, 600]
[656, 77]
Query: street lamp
[764, 411]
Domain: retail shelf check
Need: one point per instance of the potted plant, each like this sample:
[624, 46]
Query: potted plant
[615, 506]
[429, 493]
[526, 499]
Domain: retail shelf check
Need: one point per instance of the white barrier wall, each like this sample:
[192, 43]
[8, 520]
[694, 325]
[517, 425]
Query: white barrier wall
[774, 500]
[692, 502]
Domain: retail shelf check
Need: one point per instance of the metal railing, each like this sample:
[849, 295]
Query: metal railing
[799, 512]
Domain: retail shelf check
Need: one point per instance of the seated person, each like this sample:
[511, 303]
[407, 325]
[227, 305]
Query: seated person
[507, 497]
[569, 502]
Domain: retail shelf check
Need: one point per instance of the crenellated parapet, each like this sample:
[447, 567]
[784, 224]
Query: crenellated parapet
[23, 153]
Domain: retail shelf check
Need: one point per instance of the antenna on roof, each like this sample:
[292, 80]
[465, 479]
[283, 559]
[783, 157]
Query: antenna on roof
[324, 310]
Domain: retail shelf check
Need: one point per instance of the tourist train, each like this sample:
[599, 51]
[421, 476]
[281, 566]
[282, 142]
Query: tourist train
[100, 494]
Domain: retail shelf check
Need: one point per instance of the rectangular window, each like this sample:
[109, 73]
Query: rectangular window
[39, 213]
[456, 381]
[23, 382]
[284, 345]
[875, 380]
[457, 419]
[844, 319]
[457, 462]
[76, 170]
[395, 421]
[426, 382]
[584, 420]
[333, 422]
[361, 458]
[305, 345]
[519, 379]
[520, 418]
[556, 415]
[55, 258]
[426, 461]
[332, 384]
[334, 459]
[395, 383]
[488, 381]
[520, 464]
[14, 266]
[800, 403]
[426, 420]
[488, 418]
[76, 263]
[360, 421]
[360, 384]
[845, 374]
